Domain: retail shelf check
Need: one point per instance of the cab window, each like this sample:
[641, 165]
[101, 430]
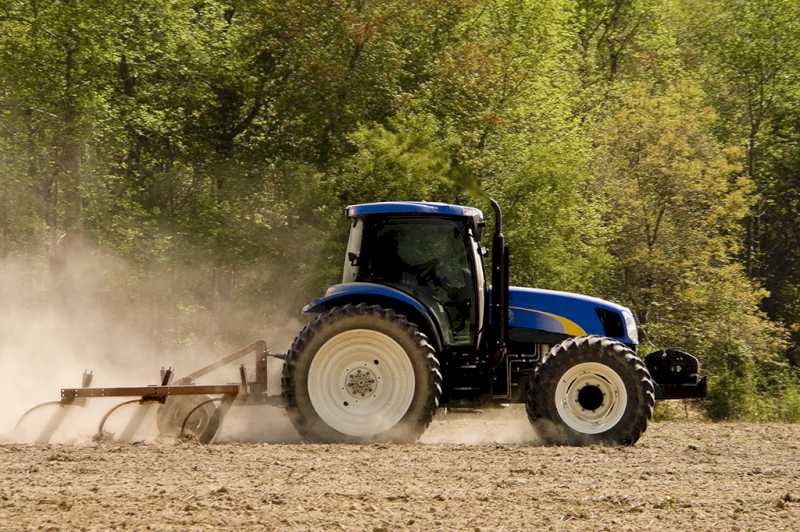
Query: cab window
[430, 260]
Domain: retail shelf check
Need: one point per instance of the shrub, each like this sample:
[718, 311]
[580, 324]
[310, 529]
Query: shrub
[664, 411]
[745, 389]
[789, 403]
[733, 391]
[730, 396]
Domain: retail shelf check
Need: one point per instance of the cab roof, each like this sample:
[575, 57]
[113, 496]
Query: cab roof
[415, 208]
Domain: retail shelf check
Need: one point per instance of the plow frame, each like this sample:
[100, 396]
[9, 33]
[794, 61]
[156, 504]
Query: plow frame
[246, 391]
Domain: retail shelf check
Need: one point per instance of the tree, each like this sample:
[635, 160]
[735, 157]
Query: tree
[676, 201]
[748, 56]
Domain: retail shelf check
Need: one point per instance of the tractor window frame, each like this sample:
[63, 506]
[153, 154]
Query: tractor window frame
[479, 275]
[353, 253]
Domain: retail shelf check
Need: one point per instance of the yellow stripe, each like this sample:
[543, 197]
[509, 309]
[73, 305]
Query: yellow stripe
[570, 327]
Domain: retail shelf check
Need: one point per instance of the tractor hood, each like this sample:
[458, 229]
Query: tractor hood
[569, 314]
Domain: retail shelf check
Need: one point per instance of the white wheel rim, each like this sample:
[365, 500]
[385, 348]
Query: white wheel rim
[361, 382]
[591, 398]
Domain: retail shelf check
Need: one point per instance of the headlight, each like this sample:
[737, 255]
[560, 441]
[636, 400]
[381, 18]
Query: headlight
[630, 326]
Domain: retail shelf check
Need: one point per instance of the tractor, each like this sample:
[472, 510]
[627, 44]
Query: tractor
[415, 325]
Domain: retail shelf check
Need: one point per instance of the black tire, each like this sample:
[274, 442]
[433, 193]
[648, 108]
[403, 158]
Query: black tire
[427, 375]
[202, 425]
[639, 390]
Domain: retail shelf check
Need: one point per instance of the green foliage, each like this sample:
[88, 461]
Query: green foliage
[740, 389]
[735, 395]
[676, 227]
[789, 404]
[389, 161]
[733, 392]
[664, 411]
[747, 55]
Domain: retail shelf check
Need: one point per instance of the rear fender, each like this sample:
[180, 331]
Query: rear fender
[371, 293]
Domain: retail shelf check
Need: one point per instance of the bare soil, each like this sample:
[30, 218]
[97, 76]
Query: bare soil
[684, 475]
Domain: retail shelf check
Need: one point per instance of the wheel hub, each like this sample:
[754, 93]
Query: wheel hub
[591, 397]
[361, 382]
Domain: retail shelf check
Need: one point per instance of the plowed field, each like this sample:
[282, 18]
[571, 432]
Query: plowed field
[470, 472]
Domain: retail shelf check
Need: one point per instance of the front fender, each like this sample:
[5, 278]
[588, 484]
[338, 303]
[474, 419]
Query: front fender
[371, 293]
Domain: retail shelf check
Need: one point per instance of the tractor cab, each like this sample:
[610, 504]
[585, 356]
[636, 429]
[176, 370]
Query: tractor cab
[429, 251]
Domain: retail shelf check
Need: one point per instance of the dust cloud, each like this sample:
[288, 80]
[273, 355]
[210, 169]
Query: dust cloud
[508, 425]
[83, 309]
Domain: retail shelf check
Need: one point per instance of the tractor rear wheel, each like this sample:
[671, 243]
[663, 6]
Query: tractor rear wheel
[591, 390]
[361, 373]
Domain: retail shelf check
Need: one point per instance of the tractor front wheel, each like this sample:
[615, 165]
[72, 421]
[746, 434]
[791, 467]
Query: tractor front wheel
[591, 390]
[361, 373]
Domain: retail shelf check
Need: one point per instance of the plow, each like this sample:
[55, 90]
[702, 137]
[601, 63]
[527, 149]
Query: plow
[185, 409]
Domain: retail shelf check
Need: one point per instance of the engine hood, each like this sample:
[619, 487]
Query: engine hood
[568, 314]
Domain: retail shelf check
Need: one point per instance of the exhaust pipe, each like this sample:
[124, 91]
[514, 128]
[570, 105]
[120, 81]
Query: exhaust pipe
[499, 309]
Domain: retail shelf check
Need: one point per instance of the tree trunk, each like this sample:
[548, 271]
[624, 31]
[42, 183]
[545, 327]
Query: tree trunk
[70, 163]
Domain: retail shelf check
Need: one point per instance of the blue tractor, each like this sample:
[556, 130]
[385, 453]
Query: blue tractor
[415, 326]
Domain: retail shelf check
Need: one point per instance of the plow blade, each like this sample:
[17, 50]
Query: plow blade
[58, 416]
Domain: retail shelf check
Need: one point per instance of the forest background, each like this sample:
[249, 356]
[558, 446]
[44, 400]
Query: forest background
[183, 166]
